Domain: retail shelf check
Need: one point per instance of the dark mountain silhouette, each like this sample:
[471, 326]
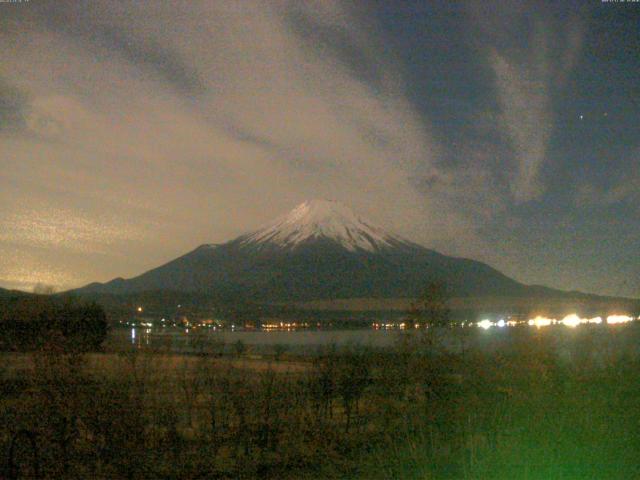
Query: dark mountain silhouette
[319, 250]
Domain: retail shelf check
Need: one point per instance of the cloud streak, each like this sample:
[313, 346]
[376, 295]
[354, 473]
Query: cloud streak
[133, 131]
[528, 73]
[13, 103]
[208, 119]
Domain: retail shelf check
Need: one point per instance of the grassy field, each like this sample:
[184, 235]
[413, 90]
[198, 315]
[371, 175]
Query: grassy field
[412, 412]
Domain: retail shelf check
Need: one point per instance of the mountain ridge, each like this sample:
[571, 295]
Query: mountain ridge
[319, 250]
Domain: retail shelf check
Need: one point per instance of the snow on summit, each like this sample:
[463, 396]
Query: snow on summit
[322, 219]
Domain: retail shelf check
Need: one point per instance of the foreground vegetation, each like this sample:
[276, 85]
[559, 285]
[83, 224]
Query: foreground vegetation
[36, 322]
[411, 412]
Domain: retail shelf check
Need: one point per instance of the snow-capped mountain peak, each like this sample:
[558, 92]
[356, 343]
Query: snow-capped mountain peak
[326, 219]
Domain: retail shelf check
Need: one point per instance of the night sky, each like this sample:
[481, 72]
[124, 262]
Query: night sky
[133, 131]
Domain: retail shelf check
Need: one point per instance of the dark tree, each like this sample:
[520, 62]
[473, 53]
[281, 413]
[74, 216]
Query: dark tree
[431, 309]
[34, 322]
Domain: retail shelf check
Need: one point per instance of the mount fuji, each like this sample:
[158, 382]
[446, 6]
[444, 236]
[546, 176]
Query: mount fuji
[319, 250]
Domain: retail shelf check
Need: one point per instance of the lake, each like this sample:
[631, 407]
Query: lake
[570, 343]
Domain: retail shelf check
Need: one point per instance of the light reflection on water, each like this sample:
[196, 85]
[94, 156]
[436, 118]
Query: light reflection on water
[185, 337]
[622, 339]
[143, 338]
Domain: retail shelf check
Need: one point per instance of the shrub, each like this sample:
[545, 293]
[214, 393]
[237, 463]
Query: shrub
[34, 322]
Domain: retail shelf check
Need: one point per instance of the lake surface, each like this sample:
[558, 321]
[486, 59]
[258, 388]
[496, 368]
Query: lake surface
[570, 343]
[299, 340]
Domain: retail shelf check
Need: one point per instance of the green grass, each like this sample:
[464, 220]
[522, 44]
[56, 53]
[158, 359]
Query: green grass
[519, 413]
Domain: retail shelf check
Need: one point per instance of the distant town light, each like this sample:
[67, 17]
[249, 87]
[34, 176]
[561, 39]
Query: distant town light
[541, 321]
[486, 324]
[613, 319]
[571, 320]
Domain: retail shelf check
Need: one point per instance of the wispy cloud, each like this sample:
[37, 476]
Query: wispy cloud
[139, 129]
[13, 105]
[523, 93]
[209, 118]
[521, 44]
[622, 187]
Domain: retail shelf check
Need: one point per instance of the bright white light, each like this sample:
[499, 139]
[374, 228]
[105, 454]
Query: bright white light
[486, 324]
[541, 321]
[612, 319]
[597, 320]
[501, 323]
[572, 320]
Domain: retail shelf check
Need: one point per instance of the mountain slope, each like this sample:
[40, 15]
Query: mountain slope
[11, 293]
[320, 250]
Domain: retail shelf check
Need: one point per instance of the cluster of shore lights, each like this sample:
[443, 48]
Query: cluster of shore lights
[284, 325]
[572, 320]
